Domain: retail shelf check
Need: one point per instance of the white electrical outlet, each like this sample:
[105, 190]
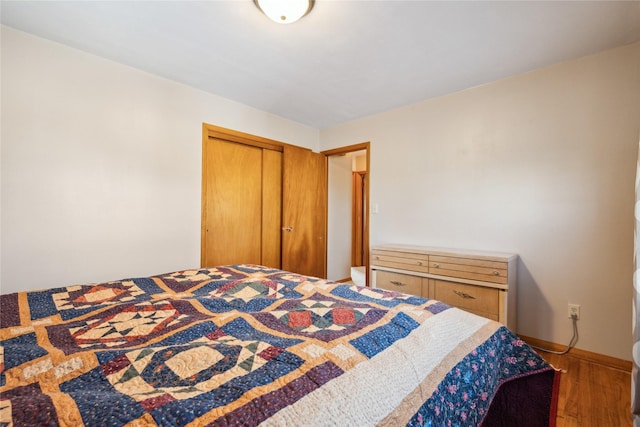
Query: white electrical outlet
[574, 310]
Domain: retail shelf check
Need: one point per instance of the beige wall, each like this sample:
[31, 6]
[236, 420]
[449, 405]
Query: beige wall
[360, 163]
[543, 165]
[101, 165]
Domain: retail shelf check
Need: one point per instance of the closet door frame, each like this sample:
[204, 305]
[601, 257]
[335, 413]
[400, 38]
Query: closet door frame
[216, 132]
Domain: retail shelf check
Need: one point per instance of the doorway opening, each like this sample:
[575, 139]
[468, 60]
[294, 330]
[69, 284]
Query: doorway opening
[348, 213]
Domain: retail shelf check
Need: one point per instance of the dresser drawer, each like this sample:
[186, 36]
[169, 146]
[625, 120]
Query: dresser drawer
[476, 299]
[401, 260]
[468, 268]
[399, 282]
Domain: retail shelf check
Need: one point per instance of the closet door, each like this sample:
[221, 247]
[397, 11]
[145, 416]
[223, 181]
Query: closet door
[304, 212]
[263, 202]
[232, 217]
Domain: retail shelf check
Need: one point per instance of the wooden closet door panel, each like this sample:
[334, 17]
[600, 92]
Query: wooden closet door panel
[271, 207]
[304, 210]
[232, 188]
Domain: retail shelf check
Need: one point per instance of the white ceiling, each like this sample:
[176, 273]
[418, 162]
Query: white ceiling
[345, 60]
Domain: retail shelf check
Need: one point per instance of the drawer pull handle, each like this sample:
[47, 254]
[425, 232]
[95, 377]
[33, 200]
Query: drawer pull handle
[464, 295]
[419, 262]
[436, 265]
[395, 282]
[496, 273]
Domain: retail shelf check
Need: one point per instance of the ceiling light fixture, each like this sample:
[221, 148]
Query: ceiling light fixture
[284, 11]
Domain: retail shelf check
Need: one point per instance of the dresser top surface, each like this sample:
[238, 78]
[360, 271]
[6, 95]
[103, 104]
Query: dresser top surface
[432, 250]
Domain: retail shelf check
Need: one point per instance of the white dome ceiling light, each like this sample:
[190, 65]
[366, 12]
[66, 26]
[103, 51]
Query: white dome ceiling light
[284, 11]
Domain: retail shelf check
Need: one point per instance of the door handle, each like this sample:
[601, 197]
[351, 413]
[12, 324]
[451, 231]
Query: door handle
[288, 228]
[464, 295]
[397, 283]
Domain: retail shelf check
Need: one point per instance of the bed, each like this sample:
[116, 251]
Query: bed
[250, 345]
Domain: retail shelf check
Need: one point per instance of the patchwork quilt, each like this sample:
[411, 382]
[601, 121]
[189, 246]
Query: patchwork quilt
[251, 345]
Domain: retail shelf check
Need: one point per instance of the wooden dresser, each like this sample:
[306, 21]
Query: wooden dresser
[483, 283]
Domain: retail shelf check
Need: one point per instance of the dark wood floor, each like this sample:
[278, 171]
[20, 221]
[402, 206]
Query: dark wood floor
[591, 394]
